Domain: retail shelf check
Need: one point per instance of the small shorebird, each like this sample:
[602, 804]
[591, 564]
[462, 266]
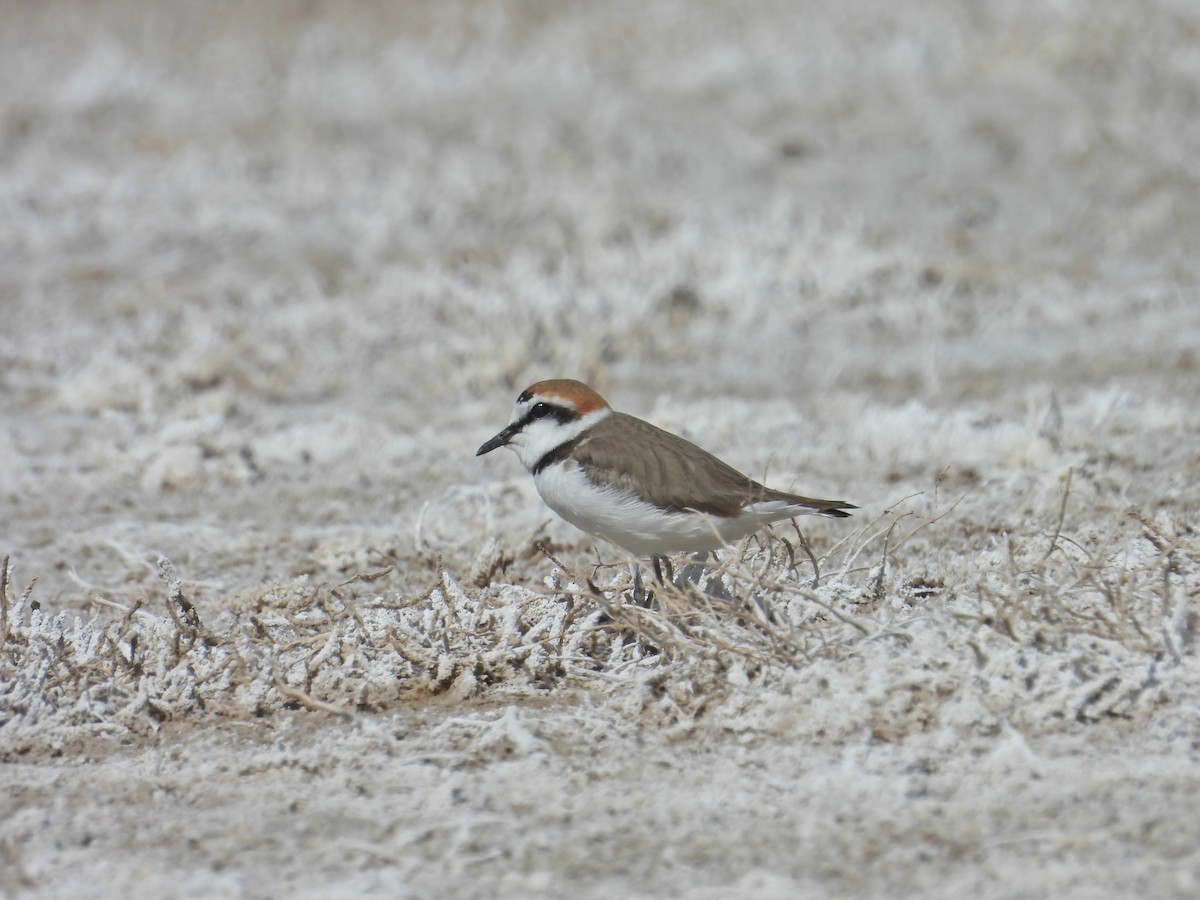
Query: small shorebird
[633, 484]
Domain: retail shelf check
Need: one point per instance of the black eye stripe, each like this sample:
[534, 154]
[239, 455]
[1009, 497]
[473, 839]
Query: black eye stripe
[560, 414]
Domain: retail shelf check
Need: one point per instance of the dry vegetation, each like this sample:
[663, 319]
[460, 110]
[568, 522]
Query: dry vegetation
[1095, 626]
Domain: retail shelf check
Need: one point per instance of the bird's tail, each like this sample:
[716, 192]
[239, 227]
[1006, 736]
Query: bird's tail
[781, 505]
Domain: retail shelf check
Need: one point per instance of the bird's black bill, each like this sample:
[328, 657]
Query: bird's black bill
[498, 441]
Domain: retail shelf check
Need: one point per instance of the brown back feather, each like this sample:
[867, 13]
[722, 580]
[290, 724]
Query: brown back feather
[673, 473]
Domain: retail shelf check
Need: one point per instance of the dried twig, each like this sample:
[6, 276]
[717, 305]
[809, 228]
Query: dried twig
[3, 601]
[180, 607]
[812, 558]
[1062, 515]
[306, 699]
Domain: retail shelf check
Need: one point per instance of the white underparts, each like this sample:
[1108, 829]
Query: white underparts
[640, 527]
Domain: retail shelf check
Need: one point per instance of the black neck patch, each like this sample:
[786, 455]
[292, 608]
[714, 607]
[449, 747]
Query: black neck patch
[558, 454]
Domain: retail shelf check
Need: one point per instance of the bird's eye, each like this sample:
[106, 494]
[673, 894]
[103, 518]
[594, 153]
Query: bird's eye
[541, 410]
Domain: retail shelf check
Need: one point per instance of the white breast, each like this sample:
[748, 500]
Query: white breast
[630, 522]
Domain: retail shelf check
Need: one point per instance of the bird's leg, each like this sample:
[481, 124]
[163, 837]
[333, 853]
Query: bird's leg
[698, 573]
[641, 596]
[663, 569]
[693, 571]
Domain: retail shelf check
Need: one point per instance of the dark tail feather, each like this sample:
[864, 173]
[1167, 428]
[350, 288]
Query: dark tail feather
[834, 509]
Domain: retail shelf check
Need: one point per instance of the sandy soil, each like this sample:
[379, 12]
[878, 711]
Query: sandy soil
[270, 273]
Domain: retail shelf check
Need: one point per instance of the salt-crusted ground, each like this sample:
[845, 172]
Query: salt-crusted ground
[270, 273]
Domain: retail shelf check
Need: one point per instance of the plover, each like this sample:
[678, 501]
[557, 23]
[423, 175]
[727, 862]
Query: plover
[633, 484]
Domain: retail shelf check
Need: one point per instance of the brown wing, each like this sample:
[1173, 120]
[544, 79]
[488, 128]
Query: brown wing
[673, 473]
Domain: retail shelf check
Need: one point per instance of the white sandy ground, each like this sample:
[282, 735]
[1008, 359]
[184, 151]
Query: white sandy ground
[270, 273]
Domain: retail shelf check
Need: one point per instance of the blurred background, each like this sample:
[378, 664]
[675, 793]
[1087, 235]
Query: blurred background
[270, 272]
